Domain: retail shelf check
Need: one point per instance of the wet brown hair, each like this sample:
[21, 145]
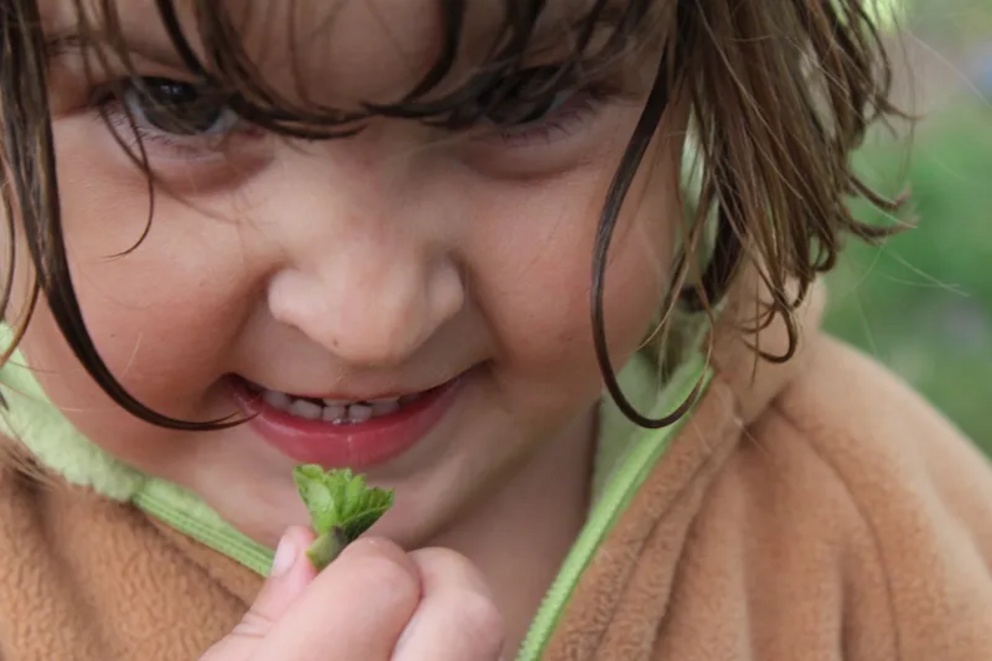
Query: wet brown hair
[781, 92]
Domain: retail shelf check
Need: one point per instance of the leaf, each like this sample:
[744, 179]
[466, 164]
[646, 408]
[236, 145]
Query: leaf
[340, 503]
[317, 496]
[361, 519]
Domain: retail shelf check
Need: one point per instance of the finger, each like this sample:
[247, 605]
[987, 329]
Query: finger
[356, 608]
[457, 619]
[290, 574]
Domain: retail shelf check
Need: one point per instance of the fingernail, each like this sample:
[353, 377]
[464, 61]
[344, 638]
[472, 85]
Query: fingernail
[284, 558]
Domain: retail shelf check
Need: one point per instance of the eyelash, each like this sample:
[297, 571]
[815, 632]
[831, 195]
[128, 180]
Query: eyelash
[560, 122]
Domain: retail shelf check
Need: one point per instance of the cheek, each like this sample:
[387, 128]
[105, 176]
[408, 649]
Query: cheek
[157, 311]
[536, 274]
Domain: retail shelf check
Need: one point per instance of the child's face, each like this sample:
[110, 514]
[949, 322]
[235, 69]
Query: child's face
[380, 265]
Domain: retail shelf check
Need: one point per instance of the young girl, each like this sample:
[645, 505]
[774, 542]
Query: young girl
[247, 235]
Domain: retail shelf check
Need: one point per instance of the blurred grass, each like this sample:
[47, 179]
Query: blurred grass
[922, 304]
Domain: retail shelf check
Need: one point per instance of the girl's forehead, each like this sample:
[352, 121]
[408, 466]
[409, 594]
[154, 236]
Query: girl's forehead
[364, 48]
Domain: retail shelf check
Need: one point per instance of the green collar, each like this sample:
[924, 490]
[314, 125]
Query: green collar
[625, 456]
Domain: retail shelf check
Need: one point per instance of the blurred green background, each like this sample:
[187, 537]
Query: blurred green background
[922, 304]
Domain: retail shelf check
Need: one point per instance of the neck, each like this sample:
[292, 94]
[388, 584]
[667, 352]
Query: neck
[520, 538]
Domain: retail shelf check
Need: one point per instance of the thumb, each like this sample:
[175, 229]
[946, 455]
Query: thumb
[291, 572]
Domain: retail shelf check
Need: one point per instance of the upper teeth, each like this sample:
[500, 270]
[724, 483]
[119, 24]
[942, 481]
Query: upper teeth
[335, 410]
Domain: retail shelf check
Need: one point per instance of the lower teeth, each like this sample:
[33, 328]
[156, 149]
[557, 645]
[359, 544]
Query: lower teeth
[337, 412]
[385, 408]
[305, 409]
[359, 413]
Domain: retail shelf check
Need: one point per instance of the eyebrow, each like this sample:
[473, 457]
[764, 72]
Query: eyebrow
[71, 42]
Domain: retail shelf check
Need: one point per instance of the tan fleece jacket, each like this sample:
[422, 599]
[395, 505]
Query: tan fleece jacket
[814, 511]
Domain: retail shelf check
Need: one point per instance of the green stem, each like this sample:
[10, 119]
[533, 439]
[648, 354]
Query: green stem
[327, 547]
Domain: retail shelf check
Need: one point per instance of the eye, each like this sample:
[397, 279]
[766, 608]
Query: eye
[524, 103]
[178, 108]
[528, 96]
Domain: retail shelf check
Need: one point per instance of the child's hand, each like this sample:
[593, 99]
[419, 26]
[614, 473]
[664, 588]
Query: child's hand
[374, 603]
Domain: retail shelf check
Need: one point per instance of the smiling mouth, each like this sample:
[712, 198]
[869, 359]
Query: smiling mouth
[336, 432]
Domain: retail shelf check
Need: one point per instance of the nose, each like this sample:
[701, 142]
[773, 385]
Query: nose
[365, 279]
[372, 306]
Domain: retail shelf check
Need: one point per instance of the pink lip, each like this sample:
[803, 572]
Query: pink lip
[353, 445]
